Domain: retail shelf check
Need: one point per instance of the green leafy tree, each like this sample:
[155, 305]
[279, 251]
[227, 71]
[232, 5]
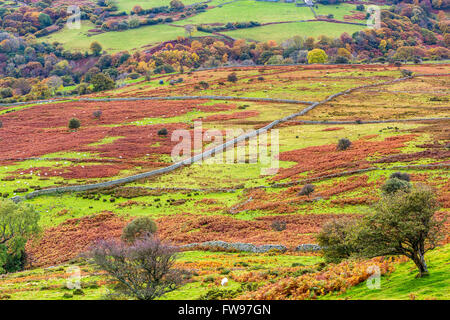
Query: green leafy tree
[44, 20]
[102, 82]
[317, 56]
[96, 48]
[403, 223]
[18, 223]
[74, 123]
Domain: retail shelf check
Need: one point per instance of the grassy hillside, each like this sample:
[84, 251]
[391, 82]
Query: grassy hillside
[403, 285]
[224, 201]
[131, 39]
[250, 10]
[127, 5]
[218, 13]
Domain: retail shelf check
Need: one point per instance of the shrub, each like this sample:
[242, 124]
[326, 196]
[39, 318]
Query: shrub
[278, 225]
[134, 75]
[393, 185]
[343, 144]
[204, 84]
[74, 123]
[6, 92]
[102, 82]
[406, 73]
[163, 132]
[401, 175]
[335, 239]
[306, 190]
[138, 228]
[18, 223]
[143, 270]
[232, 77]
[97, 114]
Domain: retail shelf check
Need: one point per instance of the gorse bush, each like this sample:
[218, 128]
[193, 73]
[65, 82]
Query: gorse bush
[232, 77]
[138, 228]
[204, 84]
[307, 190]
[401, 175]
[74, 123]
[163, 132]
[278, 225]
[97, 114]
[343, 144]
[336, 239]
[393, 185]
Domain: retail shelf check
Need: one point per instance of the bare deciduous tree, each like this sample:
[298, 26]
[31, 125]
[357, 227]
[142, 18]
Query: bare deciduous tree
[144, 269]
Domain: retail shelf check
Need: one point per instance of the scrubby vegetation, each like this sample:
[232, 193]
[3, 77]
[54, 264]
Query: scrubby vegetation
[229, 219]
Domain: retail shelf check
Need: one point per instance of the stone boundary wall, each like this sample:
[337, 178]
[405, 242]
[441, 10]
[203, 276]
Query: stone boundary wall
[247, 247]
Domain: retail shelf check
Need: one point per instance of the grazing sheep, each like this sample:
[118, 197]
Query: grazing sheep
[224, 282]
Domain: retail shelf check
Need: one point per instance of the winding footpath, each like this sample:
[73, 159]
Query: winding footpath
[206, 154]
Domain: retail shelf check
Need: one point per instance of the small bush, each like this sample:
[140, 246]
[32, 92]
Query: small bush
[406, 73]
[394, 184]
[74, 123]
[336, 240]
[163, 132]
[204, 84]
[137, 228]
[401, 175]
[97, 114]
[278, 225]
[343, 144]
[78, 292]
[306, 190]
[232, 77]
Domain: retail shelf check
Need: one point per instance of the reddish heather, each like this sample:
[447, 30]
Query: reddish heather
[42, 129]
[327, 158]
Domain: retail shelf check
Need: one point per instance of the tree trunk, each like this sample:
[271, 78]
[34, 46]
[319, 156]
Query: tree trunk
[419, 261]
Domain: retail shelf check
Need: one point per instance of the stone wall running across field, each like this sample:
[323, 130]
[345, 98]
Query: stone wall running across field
[206, 154]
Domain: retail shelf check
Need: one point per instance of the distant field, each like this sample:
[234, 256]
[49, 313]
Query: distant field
[248, 10]
[281, 32]
[132, 39]
[127, 5]
[239, 11]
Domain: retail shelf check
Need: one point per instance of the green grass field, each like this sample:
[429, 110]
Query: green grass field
[127, 5]
[281, 32]
[249, 10]
[239, 11]
[131, 39]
